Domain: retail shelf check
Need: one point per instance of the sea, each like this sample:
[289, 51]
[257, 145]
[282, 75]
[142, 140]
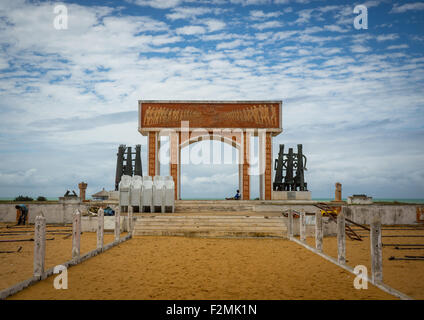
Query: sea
[401, 200]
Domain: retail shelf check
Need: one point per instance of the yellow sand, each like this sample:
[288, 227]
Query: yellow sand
[17, 267]
[405, 276]
[194, 268]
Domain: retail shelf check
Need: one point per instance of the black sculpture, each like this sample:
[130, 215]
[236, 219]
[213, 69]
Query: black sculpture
[286, 163]
[127, 165]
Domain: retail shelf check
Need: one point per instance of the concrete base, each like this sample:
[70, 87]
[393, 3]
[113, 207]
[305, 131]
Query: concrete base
[291, 195]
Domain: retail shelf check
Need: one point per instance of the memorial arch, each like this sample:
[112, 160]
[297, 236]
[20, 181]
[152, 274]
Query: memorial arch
[232, 122]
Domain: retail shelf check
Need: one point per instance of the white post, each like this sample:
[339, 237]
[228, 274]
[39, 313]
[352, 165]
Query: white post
[76, 235]
[376, 250]
[290, 224]
[130, 219]
[117, 223]
[100, 228]
[318, 230]
[302, 225]
[341, 237]
[39, 245]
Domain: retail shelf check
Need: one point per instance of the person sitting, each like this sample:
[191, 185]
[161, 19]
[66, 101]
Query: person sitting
[236, 197]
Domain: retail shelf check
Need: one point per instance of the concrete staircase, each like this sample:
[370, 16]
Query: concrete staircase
[210, 226]
[213, 206]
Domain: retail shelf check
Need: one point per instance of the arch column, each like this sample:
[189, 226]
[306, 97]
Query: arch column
[245, 164]
[175, 166]
[153, 152]
[265, 164]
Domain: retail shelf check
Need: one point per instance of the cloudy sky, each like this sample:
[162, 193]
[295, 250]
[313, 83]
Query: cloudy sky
[353, 98]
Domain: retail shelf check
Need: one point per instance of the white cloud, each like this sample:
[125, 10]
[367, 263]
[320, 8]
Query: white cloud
[213, 24]
[191, 30]
[407, 7]
[400, 46]
[359, 48]
[259, 14]
[267, 25]
[230, 44]
[188, 12]
[385, 37]
[160, 4]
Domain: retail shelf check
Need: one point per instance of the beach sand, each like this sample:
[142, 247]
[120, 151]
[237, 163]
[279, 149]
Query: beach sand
[202, 268]
[17, 267]
[196, 268]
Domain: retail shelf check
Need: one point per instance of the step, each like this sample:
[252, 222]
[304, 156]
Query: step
[211, 234]
[211, 226]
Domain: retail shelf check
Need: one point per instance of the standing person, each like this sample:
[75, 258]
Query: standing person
[23, 213]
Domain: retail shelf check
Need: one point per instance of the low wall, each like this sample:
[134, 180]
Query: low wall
[54, 212]
[89, 224]
[390, 214]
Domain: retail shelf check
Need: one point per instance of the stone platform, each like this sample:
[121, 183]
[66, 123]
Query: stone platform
[228, 226]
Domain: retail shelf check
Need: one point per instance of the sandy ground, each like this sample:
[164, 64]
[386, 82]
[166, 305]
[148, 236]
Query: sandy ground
[195, 268]
[17, 267]
[405, 276]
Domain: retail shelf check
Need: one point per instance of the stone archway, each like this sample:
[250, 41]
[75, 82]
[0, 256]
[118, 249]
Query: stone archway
[231, 122]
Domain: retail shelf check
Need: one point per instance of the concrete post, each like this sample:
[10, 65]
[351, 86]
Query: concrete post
[376, 249]
[290, 224]
[39, 245]
[341, 237]
[302, 226]
[117, 223]
[318, 231]
[100, 228]
[130, 219]
[82, 187]
[338, 192]
[76, 235]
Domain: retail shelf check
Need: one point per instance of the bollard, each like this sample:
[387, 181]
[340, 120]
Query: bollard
[117, 223]
[318, 231]
[76, 235]
[302, 225]
[130, 219]
[290, 224]
[341, 237]
[39, 245]
[376, 249]
[100, 228]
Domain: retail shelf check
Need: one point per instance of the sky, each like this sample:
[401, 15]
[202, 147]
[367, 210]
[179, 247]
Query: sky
[352, 96]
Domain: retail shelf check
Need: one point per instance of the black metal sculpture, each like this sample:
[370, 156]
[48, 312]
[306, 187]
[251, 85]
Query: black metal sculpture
[287, 163]
[127, 165]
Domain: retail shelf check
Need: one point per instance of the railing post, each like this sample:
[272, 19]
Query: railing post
[130, 219]
[318, 230]
[302, 225]
[39, 246]
[290, 224]
[76, 235]
[376, 249]
[117, 223]
[100, 228]
[341, 237]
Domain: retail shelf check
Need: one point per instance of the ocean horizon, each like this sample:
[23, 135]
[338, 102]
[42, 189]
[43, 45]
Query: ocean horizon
[402, 200]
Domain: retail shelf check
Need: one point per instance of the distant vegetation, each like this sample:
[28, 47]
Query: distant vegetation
[23, 198]
[41, 198]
